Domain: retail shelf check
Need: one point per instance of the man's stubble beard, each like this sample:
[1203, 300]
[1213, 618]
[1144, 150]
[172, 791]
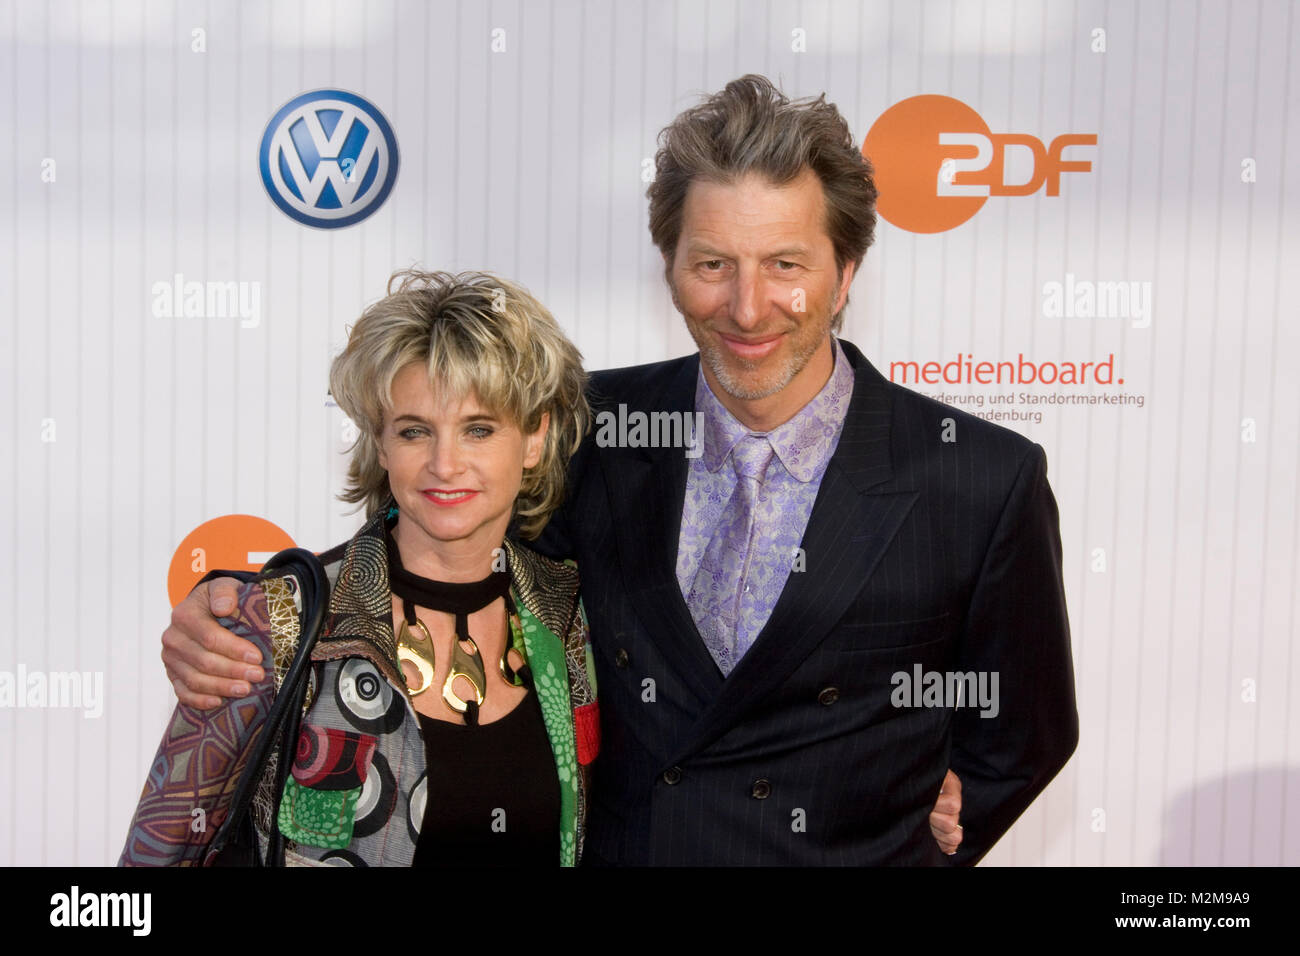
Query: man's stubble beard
[711, 353]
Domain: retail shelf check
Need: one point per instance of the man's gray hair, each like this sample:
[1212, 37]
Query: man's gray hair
[752, 127]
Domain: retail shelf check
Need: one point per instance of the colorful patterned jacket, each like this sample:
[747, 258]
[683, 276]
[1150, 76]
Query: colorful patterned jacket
[355, 795]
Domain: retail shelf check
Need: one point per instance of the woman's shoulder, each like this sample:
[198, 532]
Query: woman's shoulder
[549, 588]
[521, 557]
[364, 552]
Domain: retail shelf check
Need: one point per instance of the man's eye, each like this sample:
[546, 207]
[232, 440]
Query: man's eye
[785, 265]
[712, 265]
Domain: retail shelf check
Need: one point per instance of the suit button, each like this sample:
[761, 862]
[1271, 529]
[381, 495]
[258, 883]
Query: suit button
[761, 789]
[828, 696]
[673, 776]
[620, 659]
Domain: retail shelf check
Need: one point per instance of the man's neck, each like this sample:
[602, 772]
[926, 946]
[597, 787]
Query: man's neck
[765, 414]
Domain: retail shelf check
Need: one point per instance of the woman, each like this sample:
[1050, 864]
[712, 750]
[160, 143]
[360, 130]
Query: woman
[452, 714]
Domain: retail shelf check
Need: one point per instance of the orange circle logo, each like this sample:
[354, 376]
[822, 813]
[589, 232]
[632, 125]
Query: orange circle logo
[231, 542]
[919, 177]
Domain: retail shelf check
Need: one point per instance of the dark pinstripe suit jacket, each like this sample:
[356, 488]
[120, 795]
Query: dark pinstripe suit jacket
[919, 551]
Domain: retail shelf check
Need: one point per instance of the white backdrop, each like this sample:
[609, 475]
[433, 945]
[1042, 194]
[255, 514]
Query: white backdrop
[133, 146]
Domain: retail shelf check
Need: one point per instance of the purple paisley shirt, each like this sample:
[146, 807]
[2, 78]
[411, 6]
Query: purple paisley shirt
[803, 448]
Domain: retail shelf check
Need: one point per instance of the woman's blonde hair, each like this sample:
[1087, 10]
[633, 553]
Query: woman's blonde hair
[478, 335]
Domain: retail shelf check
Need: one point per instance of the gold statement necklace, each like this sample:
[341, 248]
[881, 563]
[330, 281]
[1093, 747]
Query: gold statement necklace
[415, 644]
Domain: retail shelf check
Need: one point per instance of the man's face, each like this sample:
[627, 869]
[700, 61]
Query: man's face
[754, 276]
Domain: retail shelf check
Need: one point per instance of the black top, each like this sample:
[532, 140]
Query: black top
[492, 793]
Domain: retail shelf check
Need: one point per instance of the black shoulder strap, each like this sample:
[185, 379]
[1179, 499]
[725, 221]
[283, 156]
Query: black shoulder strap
[235, 843]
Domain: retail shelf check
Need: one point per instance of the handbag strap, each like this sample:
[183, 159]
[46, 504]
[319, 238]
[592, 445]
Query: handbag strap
[283, 722]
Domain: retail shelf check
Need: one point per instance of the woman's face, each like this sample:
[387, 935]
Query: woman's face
[455, 470]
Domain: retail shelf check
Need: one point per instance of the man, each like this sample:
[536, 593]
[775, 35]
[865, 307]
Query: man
[762, 610]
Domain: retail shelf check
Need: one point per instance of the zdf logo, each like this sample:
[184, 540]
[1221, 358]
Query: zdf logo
[937, 163]
[328, 158]
[231, 542]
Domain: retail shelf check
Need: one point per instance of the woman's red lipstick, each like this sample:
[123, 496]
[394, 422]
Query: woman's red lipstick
[448, 497]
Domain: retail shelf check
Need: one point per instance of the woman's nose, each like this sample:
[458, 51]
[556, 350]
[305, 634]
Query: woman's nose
[446, 459]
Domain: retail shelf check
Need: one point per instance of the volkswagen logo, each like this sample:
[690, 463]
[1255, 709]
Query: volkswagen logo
[328, 158]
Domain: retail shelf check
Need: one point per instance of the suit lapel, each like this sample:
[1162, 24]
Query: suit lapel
[853, 520]
[646, 488]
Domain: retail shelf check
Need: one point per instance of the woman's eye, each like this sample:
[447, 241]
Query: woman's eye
[410, 434]
[479, 431]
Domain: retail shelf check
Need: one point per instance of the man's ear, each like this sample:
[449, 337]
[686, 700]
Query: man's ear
[846, 280]
[534, 443]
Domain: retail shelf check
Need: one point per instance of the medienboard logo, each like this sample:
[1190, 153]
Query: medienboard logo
[328, 158]
[937, 163]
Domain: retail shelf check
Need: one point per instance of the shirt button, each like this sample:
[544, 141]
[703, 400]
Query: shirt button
[620, 659]
[673, 776]
[761, 789]
[828, 696]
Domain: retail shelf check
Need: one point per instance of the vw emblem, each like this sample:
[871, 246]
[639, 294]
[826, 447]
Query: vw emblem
[328, 158]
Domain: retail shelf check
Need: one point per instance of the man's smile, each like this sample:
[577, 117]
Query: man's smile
[751, 348]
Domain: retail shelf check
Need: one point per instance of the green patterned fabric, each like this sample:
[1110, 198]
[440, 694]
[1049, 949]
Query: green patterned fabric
[545, 654]
[321, 818]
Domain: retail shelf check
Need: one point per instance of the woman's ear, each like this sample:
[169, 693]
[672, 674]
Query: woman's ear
[534, 443]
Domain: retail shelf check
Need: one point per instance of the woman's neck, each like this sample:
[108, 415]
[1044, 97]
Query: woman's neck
[454, 562]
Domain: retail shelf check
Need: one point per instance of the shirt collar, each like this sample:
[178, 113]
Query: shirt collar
[804, 444]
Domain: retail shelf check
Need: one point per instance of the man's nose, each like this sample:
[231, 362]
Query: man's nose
[748, 298]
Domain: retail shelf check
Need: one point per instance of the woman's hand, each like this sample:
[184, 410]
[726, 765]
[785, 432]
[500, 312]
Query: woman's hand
[946, 814]
[204, 661]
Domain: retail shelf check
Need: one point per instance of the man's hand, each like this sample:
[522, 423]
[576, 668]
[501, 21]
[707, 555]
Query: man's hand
[946, 814]
[202, 658]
